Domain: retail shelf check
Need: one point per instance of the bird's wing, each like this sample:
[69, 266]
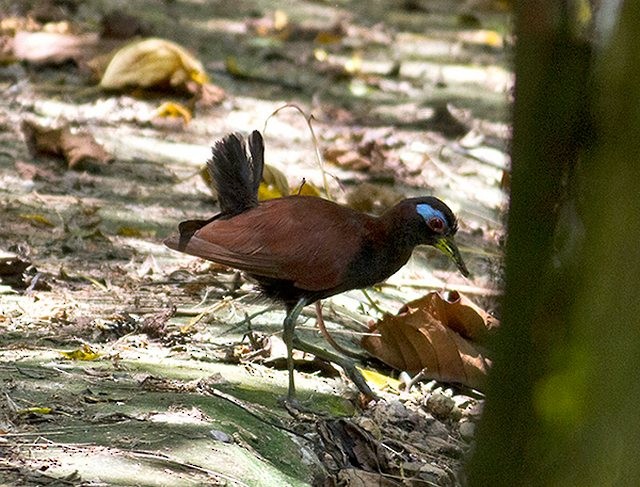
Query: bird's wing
[308, 241]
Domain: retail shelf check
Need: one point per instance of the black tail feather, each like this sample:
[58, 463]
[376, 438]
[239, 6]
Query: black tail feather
[256, 148]
[236, 175]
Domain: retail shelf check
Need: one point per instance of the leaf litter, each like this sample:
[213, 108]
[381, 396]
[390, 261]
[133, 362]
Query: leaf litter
[92, 237]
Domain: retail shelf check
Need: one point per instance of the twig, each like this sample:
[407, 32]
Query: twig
[191, 311]
[308, 119]
[372, 303]
[341, 332]
[246, 321]
[463, 288]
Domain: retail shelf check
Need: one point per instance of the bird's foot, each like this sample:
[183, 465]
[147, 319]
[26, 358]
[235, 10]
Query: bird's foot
[299, 409]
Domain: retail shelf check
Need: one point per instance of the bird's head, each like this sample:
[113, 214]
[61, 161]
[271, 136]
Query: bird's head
[441, 226]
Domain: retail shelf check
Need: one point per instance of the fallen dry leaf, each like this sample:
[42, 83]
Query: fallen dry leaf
[52, 47]
[6, 50]
[130, 232]
[78, 149]
[35, 410]
[441, 335]
[328, 37]
[152, 63]
[351, 446]
[347, 159]
[84, 353]
[172, 109]
[37, 219]
[19, 273]
[12, 269]
[368, 151]
[274, 184]
[380, 381]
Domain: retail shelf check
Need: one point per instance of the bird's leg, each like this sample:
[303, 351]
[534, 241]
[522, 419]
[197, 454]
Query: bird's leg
[289, 337]
[348, 365]
[292, 341]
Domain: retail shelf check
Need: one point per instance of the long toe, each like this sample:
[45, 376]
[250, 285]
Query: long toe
[357, 378]
[347, 365]
[296, 407]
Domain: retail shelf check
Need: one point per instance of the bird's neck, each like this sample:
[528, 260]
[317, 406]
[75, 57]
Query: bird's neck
[394, 238]
[402, 227]
[386, 246]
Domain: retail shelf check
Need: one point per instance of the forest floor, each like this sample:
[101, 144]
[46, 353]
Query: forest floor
[125, 363]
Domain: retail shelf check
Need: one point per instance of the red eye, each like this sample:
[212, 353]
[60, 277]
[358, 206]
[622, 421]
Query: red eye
[436, 224]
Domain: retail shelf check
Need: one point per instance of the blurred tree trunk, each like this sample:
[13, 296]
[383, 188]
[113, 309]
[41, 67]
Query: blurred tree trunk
[564, 396]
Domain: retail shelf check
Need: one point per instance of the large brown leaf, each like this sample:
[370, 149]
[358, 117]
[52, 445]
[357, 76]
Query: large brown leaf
[442, 335]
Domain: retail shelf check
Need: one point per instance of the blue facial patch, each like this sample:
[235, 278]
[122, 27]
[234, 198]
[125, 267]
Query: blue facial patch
[428, 212]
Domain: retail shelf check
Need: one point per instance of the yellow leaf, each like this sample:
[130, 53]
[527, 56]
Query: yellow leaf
[84, 353]
[37, 218]
[152, 62]
[308, 189]
[200, 77]
[276, 179]
[172, 109]
[95, 282]
[268, 192]
[35, 410]
[380, 381]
